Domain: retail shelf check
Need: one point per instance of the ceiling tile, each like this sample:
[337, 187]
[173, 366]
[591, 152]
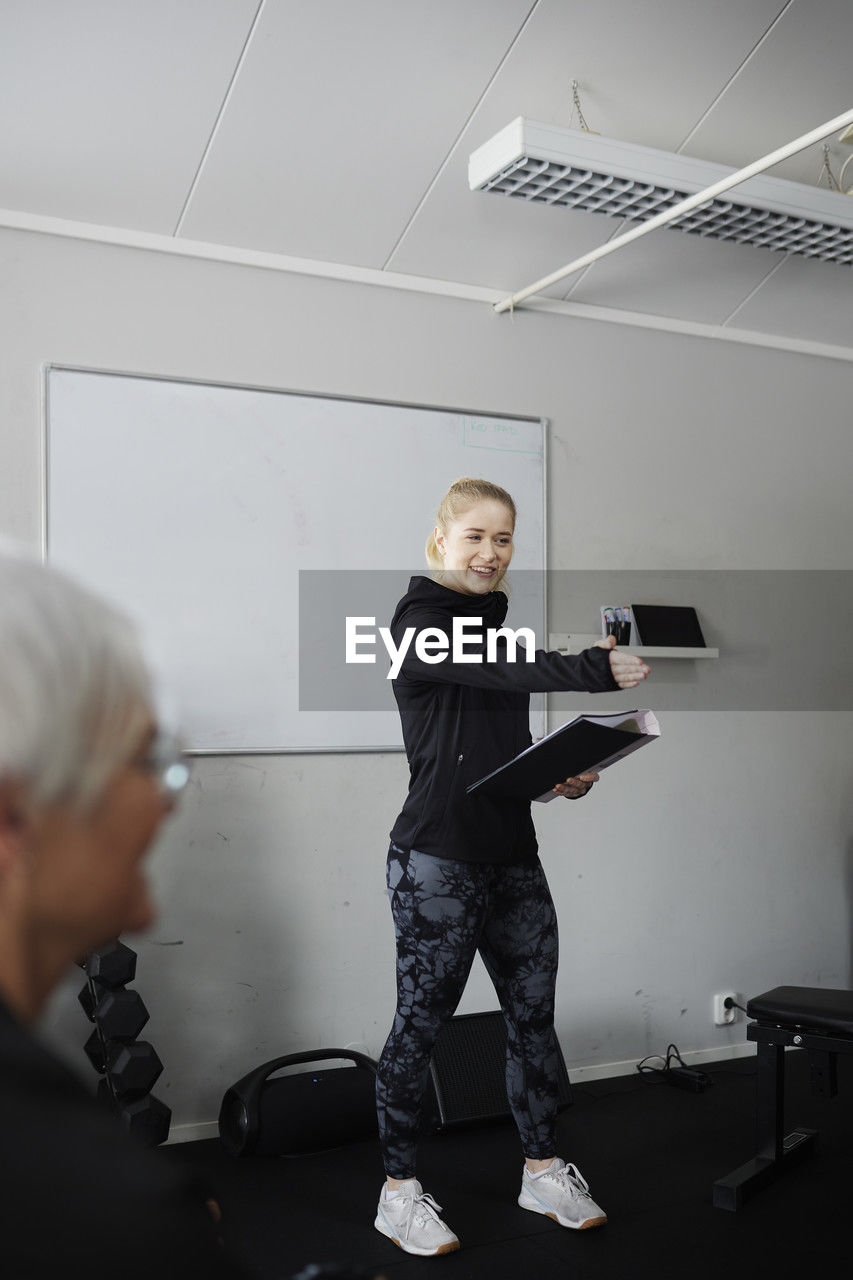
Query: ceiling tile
[107, 105]
[339, 120]
[646, 74]
[799, 77]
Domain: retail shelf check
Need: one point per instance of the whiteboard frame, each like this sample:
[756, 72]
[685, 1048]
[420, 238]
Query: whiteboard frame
[50, 366]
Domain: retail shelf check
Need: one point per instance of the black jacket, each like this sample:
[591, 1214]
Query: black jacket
[78, 1197]
[461, 721]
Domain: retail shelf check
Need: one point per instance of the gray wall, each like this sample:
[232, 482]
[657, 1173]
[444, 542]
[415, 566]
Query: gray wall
[719, 858]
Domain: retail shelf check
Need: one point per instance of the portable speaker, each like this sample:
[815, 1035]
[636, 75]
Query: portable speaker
[468, 1072]
[297, 1114]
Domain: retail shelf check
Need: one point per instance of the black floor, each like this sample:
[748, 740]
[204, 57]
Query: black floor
[650, 1152]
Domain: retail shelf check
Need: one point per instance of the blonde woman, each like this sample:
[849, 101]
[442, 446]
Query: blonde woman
[463, 872]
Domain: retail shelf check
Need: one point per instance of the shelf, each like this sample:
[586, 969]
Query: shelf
[574, 642]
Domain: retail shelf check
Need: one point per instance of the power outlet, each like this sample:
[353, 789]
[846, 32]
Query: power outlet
[722, 1015]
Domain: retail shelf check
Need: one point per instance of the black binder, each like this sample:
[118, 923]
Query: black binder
[587, 744]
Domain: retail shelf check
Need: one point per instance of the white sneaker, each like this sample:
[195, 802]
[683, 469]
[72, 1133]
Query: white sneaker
[410, 1219]
[561, 1193]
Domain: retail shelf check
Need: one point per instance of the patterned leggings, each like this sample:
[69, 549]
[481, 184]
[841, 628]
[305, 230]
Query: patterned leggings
[444, 912]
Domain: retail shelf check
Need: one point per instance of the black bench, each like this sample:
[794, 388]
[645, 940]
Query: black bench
[817, 1020]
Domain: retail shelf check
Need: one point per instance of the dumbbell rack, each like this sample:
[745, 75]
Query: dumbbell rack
[129, 1067]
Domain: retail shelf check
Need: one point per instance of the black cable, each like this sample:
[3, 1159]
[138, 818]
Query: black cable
[671, 1052]
[585, 1092]
[681, 1076]
[646, 1070]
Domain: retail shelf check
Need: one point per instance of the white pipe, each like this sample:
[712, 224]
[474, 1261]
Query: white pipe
[683, 206]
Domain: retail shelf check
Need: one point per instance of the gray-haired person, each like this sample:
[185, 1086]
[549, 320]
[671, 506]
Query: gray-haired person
[86, 779]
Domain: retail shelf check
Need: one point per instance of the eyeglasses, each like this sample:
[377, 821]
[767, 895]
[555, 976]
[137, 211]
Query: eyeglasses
[167, 762]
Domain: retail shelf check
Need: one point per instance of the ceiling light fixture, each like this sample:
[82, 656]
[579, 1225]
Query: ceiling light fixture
[548, 164]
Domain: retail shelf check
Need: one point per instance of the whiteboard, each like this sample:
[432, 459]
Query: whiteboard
[203, 510]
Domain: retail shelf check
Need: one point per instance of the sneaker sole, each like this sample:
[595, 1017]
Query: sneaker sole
[573, 1226]
[450, 1247]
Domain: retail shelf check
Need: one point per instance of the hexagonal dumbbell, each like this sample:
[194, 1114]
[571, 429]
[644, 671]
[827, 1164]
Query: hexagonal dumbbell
[120, 1014]
[95, 1050]
[147, 1118]
[113, 965]
[133, 1068]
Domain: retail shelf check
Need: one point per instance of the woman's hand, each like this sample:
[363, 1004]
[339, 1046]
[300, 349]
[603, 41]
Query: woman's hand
[574, 788]
[627, 669]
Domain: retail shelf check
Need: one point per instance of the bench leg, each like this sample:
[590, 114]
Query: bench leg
[769, 1101]
[774, 1153]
